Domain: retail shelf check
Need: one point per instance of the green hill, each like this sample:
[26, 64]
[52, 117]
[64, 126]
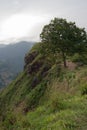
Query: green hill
[45, 96]
[12, 60]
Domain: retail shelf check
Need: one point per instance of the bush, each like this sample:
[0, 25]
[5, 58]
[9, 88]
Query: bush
[25, 123]
[34, 97]
[57, 103]
[84, 89]
[81, 59]
[10, 121]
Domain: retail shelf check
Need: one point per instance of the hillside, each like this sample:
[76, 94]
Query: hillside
[12, 60]
[45, 96]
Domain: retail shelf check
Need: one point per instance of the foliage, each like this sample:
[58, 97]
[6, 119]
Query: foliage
[58, 101]
[9, 121]
[84, 89]
[66, 37]
[35, 95]
[79, 59]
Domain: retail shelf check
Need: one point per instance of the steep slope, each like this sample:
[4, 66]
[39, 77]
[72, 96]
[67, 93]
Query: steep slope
[12, 61]
[45, 95]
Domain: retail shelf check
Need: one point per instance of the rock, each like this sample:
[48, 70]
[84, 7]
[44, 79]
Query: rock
[29, 58]
[44, 70]
[35, 81]
[34, 67]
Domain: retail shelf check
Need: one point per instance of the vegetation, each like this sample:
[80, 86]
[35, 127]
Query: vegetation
[12, 61]
[66, 37]
[46, 96]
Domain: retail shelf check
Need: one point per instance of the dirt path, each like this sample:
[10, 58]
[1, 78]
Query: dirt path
[71, 65]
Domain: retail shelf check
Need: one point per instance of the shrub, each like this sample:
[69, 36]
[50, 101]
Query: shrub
[84, 89]
[34, 97]
[10, 121]
[57, 103]
[25, 123]
[80, 59]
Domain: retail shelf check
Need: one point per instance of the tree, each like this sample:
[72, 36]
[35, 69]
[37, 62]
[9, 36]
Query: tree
[65, 36]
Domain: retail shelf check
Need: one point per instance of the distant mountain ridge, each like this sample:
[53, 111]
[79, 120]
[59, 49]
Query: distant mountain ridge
[12, 60]
[2, 45]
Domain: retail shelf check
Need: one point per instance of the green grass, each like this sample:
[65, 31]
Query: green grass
[57, 102]
[72, 117]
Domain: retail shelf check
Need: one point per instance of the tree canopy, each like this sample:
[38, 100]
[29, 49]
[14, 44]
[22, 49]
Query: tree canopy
[65, 36]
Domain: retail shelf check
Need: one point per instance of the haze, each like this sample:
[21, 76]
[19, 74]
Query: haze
[24, 19]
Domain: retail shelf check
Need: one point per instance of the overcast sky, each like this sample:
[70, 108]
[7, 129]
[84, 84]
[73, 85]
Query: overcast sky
[24, 19]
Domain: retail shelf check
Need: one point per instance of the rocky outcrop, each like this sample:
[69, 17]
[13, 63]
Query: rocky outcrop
[29, 58]
[34, 67]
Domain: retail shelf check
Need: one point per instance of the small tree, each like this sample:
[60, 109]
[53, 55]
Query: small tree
[65, 36]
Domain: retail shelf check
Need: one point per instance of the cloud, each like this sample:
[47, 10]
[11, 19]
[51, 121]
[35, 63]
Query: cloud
[21, 25]
[25, 18]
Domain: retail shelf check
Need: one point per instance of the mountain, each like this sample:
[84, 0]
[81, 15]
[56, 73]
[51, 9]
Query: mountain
[12, 60]
[2, 45]
[45, 96]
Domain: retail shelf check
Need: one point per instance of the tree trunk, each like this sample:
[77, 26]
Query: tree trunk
[64, 59]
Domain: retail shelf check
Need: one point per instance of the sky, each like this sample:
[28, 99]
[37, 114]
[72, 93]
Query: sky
[24, 19]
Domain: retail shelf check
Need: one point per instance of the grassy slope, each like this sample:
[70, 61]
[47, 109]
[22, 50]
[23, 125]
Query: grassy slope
[45, 99]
